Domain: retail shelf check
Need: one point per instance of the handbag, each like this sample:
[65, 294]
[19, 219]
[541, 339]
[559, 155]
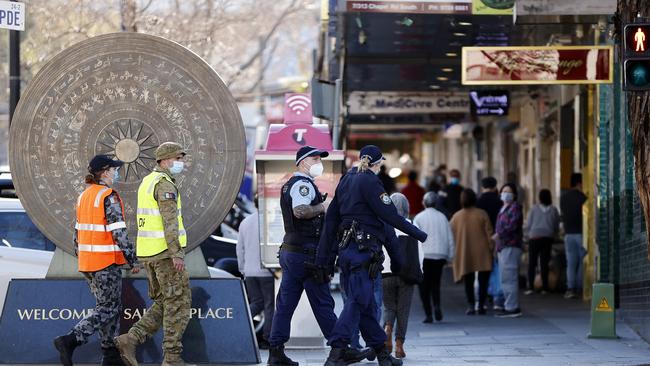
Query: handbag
[410, 272]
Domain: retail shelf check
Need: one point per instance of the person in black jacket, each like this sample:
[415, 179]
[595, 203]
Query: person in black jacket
[453, 191]
[489, 200]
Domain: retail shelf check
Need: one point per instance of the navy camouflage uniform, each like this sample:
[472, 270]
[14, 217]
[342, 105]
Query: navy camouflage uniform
[360, 196]
[106, 284]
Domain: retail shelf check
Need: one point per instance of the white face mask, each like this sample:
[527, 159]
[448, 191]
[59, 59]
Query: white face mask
[316, 170]
[176, 167]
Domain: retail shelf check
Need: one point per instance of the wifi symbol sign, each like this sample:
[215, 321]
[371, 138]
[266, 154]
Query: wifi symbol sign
[297, 108]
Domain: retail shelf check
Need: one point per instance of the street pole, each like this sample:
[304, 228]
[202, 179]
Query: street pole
[14, 71]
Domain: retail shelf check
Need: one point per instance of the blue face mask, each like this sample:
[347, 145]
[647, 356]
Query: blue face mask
[455, 181]
[116, 175]
[177, 167]
[507, 197]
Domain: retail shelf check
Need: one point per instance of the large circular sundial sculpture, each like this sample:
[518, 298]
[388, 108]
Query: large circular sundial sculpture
[123, 94]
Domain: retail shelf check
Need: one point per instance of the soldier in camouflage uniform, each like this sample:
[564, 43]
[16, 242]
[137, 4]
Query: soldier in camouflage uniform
[105, 283]
[169, 285]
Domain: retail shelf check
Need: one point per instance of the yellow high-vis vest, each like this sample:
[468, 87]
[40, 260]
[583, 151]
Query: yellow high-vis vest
[151, 232]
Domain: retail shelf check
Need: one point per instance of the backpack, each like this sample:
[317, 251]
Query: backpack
[409, 252]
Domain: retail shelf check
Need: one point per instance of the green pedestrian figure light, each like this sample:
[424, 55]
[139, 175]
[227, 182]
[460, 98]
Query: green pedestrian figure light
[639, 38]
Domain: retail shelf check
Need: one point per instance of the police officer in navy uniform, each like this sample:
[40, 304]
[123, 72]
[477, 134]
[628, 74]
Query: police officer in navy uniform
[303, 212]
[357, 217]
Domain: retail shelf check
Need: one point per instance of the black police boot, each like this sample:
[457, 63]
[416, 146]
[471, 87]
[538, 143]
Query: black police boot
[111, 357]
[385, 359]
[278, 358]
[66, 345]
[336, 357]
[353, 355]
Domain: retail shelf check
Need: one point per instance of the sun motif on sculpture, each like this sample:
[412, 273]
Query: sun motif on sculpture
[131, 141]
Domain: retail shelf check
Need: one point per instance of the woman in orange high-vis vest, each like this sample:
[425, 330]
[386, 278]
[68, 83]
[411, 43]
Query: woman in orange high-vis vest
[102, 246]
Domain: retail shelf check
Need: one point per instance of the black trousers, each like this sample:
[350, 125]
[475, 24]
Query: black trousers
[261, 293]
[539, 248]
[483, 280]
[430, 286]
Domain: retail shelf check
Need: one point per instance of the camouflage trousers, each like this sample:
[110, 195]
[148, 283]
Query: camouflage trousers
[106, 286]
[170, 291]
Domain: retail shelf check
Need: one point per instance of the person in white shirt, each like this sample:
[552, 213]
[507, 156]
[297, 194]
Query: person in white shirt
[438, 249]
[259, 281]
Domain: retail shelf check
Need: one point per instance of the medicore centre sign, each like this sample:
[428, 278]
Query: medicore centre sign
[407, 103]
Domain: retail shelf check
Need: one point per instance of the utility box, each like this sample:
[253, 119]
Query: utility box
[603, 314]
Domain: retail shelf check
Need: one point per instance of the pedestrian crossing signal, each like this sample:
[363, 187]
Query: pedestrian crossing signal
[636, 57]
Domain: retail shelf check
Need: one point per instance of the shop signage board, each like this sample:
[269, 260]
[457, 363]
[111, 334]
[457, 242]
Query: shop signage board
[537, 65]
[411, 7]
[563, 7]
[407, 103]
[492, 7]
[489, 102]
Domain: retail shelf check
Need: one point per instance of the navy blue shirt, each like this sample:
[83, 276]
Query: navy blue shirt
[361, 196]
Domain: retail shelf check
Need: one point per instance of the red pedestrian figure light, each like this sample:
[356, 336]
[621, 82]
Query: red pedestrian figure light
[639, 38]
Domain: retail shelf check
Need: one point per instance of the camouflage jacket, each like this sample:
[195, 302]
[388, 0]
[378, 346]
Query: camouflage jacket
[113, 212]
[166, 194]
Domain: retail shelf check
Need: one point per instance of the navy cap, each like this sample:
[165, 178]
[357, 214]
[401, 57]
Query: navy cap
[307, 151]
[372, 152]
[102, 162]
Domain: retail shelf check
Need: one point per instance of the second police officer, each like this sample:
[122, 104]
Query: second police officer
[359, 212]
[302, 212]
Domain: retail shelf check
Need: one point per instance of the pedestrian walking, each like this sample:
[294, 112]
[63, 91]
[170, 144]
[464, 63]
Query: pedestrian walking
[571, 206]
[474, 247]
[303, 210]
[453, 191]
[542, 226]
[161, 246]
[360, 211]
[437, 250]
[491, 203]
[102, 247]
[508, 236]
[414, 193]
[260, 283]
[398, 287]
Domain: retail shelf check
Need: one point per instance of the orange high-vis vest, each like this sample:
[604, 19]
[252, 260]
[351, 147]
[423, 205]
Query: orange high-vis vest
[96, 248]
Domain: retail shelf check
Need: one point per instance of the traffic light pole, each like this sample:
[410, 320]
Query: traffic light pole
[14, 72]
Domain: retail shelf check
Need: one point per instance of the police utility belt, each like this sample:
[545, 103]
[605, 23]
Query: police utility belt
[298, 249]
[365, 242]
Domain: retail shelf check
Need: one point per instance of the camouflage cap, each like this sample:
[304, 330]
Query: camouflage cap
[168, 150]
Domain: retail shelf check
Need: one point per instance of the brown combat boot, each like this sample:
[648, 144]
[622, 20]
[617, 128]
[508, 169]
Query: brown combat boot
[172, 359]
[389, 337]
[126, 344]
[399, 348]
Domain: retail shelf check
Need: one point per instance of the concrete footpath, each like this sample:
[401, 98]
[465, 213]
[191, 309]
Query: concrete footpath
[552, 331]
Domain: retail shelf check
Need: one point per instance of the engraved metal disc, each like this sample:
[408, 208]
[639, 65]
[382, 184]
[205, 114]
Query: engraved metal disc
[123, 94]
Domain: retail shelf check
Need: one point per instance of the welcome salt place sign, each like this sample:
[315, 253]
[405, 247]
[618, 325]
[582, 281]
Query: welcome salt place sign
[537, 65]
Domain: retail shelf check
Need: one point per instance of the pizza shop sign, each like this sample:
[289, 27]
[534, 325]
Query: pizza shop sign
[407, 103]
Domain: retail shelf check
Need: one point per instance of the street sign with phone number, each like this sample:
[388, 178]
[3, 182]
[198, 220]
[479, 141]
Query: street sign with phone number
[12, 15]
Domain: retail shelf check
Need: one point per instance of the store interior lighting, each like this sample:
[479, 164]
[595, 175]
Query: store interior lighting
[395, 172]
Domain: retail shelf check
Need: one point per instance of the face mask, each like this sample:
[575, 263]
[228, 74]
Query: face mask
[316, 170]
[507, 197]
[176, 167]
[455, 181]
[116, 175]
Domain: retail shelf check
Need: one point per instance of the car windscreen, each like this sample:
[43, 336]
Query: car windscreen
[18, 231]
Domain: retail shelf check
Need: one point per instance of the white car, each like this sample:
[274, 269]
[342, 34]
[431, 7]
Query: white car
[26, 253]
